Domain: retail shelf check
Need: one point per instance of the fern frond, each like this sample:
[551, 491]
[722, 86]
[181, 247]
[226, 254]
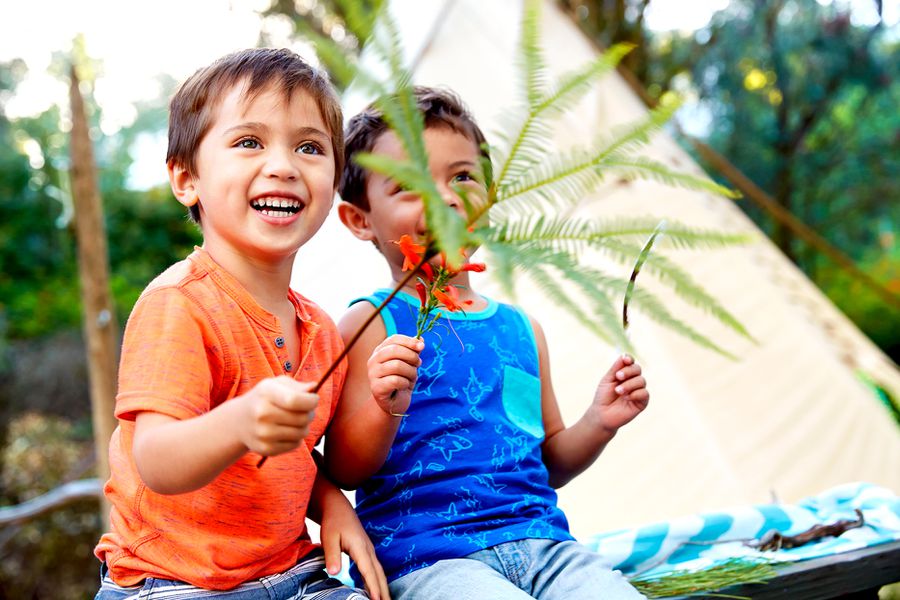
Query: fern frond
[342, 68]
[593, 305]
[656, 310]
[578, 234]
[572, 175]
[396, 101]
[670, 274]
[630, 137]
[572, 86]
[359, 18]
[645, 168]
[539, 274]
[525, 148]
[641, 259]
[596, 287]
[447, 228]
[530, 60]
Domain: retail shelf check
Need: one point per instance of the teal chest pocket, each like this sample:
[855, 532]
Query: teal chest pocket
[522, 400]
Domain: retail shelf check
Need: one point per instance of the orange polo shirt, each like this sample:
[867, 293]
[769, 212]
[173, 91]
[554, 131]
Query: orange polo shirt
[195, 339]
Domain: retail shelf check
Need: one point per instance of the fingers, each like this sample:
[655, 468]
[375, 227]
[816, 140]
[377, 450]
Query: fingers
[372, 574]
[397, 350]
[631, 385]
[290, 395]
[393, 367]
[625, 368]
[280, 412]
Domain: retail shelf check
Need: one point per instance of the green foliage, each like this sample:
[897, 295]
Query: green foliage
[531, 188]
[868, 310]
[147, 231]
[801, 96]
[338, 29]
[42, 453]
[706, 581]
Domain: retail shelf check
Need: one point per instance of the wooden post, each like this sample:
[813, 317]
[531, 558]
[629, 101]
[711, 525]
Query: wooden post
[100, 328]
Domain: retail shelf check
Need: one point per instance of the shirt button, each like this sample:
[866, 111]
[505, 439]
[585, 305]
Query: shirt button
[288, 366]
[279, 342]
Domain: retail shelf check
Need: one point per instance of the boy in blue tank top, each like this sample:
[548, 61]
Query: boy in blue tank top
[457, 445]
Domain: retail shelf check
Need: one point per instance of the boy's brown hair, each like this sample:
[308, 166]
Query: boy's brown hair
[439, 108]
[192, 106]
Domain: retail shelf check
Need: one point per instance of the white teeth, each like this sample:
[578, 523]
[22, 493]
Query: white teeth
[277, 207]
[276, 203]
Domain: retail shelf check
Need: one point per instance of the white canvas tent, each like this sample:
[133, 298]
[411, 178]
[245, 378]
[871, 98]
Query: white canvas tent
[790, 418]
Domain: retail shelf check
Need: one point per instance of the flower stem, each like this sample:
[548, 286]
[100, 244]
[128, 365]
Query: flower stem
[425, 258]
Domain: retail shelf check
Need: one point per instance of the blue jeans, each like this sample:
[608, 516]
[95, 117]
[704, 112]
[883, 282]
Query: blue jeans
[307, 580]
[532, 568]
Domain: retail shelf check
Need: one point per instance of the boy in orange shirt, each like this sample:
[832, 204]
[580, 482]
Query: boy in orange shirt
[220, 355]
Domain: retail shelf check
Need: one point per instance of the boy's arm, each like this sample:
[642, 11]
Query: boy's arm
[363, 428]
[175, 456]
[620, 397]
[341, 531]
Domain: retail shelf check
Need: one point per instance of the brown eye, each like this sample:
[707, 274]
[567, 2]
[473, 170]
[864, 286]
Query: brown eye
[310, 148]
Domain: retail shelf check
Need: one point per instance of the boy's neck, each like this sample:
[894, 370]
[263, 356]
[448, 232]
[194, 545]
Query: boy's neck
[462, 283]
[267, 282]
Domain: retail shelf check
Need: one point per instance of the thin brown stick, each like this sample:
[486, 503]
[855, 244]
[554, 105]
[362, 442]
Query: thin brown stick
[334, 365]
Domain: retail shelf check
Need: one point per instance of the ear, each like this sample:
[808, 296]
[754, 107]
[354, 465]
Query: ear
[182, 183]
[356, 220]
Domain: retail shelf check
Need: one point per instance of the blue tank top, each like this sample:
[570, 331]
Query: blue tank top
[465, 470]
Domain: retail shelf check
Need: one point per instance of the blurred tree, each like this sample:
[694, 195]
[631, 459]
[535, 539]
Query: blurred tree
[147, 230]
[42, 368]
[346, 22]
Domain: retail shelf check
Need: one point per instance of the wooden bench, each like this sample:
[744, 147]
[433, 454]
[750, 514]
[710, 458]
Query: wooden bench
[858, 574]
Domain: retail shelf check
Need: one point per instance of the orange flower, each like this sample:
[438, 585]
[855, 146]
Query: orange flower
[449, 297]
[412, 252]
[428, 271]
[474, 267]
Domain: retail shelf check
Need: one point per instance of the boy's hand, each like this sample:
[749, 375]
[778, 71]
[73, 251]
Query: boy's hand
[621, 394]
[341, 531]
[392, 370]
[277, 414]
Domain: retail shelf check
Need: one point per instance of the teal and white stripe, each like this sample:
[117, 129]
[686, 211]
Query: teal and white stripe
[700, 541]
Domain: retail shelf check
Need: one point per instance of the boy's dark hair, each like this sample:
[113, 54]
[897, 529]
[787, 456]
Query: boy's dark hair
[439, 107]
[192, 106]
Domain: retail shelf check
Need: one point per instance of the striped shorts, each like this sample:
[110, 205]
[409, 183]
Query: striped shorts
[305, 581]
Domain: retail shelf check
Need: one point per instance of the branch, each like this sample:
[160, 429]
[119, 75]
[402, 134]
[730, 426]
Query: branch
[84, 489]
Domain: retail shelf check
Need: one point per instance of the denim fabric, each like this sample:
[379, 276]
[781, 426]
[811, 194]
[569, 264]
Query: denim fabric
[532, 568]
[305, 581]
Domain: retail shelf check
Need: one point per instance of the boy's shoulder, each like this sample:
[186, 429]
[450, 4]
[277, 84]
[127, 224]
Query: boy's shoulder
[177, 274]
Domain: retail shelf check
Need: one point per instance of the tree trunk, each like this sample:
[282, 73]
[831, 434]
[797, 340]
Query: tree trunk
[100, 328]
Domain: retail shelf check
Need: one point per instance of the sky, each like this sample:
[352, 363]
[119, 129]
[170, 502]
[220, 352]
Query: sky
[137, 41]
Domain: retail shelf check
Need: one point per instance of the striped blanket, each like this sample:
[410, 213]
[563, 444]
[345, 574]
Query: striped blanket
[703, 540]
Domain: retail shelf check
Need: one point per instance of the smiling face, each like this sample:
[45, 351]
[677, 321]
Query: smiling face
[454, 163]
[263, 176]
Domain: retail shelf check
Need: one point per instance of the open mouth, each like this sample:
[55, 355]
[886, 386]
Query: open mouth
[277, 207]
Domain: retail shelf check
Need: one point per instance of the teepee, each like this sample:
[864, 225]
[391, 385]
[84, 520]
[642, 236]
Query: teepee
[790, 417]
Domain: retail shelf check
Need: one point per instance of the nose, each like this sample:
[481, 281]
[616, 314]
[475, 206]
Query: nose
[451, 198]
[281, 164]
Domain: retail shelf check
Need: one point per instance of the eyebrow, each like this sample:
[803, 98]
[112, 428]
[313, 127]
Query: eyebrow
[461, 163]
[256, 126]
